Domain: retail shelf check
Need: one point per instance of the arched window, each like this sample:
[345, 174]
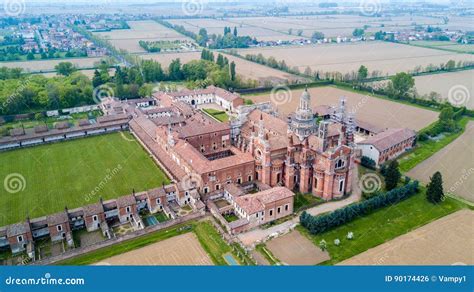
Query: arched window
[340, 163]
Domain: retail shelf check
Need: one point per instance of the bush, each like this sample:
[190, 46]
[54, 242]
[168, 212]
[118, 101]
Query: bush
[368, 162]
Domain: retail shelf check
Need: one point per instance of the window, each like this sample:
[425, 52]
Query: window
[286, 207]
[279, 210]
[271, 212]
[239, 181]
[206, 190]
[128, 209]
[218, 187]
[341, 186]
[20, 238]
[256, 215]
[59, 228]
[95, 218]
[315, 183]
[158, 201]
[340, 163]
[249, 178]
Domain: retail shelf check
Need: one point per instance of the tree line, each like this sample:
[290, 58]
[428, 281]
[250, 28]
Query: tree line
[322, 223]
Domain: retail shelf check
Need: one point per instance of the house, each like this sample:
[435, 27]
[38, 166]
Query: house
[59, 227]
[19, 237]
[156, 199]
[127, 208]
[388, 144]
[94, 216]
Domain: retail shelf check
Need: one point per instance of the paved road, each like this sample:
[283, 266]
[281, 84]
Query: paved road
[257, 235]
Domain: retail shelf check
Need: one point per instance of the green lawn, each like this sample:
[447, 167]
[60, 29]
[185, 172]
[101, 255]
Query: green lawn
[161, 217]
[303, 201]
[425, 149]
[231, 217]
[67, 173]
[217, 114]
[382, 225]
[212, 242]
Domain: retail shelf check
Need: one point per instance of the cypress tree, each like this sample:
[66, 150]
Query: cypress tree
[434, 191]
[392, 175]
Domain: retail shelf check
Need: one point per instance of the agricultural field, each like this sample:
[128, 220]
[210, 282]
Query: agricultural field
[39, 66]
[459, 85]
[216, 26]
[146, 30]
[455, 164]
[446, 241]
[384, 57]
[295, 249]
[183, 249]
[64, 174]
[379, 112]
[448, 46]
[332, 25]
[165, 58]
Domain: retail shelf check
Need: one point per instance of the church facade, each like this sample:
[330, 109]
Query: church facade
[302, 154]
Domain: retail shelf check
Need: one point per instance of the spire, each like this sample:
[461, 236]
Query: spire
[305, 100]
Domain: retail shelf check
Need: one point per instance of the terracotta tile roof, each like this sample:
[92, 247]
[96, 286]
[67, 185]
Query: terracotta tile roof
[368, 126]
[17, 132]
[229, 96]
[61, 125]
[58, 218]
[93, 209]
[253, 203]
[41, 129]
[126, 201]
[156, 193]
[84, 122]
[111, 118]
[323, 110]
[18, 229]
[234, 190]
[389, 138]
[196, 129]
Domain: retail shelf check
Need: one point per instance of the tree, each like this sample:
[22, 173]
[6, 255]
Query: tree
[235, 31]
[358, 32]
[434, 190]
[65, 68]
[401, 84]
[30, 56]
[317, 36]
[174, 70]
[362, 73]
[232, 71]
[97, 79]
[392, 175]
[450, 65]
[446, 119]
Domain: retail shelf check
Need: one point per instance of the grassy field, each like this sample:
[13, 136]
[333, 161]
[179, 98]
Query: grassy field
[426, 149]
[66, 174]
[382, 226]
[305, 201]
[212, 242]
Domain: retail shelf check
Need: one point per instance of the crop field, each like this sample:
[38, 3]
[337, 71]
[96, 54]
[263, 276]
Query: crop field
[216, 26]
[387, 58]
[455, 164]
[44, 179]
[295, 249]
[48, 65]
[147, 30]
[446, 241]
[330, 25]
[449, 46]
[460, 84]
[181, 250]
[165, 58]
[379, 112]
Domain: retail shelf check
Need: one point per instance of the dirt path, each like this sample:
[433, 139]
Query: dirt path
[258, 235]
